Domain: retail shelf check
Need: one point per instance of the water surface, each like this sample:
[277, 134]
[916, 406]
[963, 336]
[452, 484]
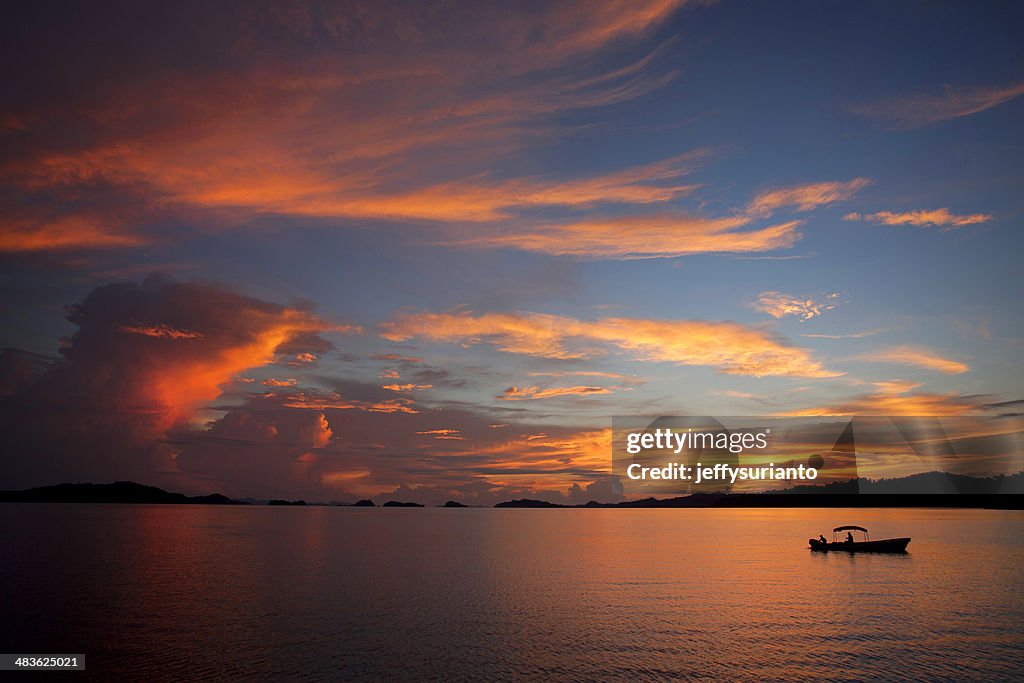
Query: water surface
[171, 592]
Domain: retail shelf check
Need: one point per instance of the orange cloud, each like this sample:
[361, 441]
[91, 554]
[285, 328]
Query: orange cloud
[806, 197]
[352, 133]
[158, 331]
[730, 347]
[922, 108]
[541, 452]
[779, 305]
[663, 236]
[290, 382]
[530, 393]
[334, 401]
[941, 218]
[406, 387]
[443, 434]
[65, 232]
[917, 356]
[895, 398]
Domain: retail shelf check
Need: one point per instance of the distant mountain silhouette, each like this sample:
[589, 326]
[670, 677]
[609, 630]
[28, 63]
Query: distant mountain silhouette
[117, 492]
[528, 503]
[929, 489]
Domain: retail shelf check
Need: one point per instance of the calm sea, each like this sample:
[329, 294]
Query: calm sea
[187, 592]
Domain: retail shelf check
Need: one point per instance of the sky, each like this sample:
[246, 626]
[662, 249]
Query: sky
[428, 251]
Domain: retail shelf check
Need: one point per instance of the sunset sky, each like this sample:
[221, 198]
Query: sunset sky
[426, 251]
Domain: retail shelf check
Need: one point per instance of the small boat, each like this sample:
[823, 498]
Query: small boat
[886, 545]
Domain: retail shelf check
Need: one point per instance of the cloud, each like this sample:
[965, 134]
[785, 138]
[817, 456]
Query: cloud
[950, 102]
[941, 218]
[917, 356]
[850, 335]
[406, 387]
[779, 305]
[158, 331]
[65, 232]
[625, 379]
[316, 400]
[806, 197]
[664, 236]
[343, 117]
[290, 382]
[896, 398]
[514, 393]
[730, 347]
[443, 434]
[120, 385]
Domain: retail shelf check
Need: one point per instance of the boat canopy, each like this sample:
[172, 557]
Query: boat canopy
[850, 528]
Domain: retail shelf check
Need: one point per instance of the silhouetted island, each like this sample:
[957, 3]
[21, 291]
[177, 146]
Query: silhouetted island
[117, 492]
[529, 503]
[928, 489]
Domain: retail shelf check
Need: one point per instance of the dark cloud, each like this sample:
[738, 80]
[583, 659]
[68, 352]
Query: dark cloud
[144, 359]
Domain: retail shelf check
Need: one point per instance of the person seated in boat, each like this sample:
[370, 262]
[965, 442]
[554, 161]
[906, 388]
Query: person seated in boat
[849, 537]
[822, 539]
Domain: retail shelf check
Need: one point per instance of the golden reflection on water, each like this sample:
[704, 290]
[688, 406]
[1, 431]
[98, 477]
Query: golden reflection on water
[579, 594]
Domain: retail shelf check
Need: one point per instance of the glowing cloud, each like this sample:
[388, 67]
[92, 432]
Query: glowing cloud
[641, 237]
[342, 132]
[158, 331]
[941, 218]
[334, 401]
[730, 347]
[443, 434]
[917, 356]
[514, 393]
[806, 197]
[779, 305]
[406, 387]
[896, 398]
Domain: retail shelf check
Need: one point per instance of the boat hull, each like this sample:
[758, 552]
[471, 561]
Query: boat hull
[887, 545]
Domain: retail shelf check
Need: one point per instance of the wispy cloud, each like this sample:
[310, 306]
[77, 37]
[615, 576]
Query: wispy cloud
[317, 400]
[779, 305]
[896, 398]
[663, 236]
[406, 387]
[515, 393]
[941, 218]
[948, 102]
[730, 347]
[341, 126]
[850, 335]
[442, 434]
[806, 197]
[917, 356]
